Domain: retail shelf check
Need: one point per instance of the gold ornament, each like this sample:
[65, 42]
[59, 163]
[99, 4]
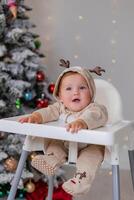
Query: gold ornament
[30, 187]
[10, 164]
[32, 155]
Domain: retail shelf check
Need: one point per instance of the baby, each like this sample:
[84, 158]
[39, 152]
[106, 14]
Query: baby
[76, 109]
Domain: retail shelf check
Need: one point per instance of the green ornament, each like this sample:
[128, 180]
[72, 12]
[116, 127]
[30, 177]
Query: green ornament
[21, 193]
[2, 194]
[2, 191]
[18, 103]
[37, 44]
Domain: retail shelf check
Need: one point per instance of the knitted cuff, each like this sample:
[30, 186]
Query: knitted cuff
[38, 116]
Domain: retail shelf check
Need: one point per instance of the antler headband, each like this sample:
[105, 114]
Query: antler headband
[97, 70]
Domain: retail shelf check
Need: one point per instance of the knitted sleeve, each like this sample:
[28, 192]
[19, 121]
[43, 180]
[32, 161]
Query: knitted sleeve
[50, 113]
[95, 116]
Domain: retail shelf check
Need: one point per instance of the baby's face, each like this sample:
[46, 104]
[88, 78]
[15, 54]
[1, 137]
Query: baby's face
[74, 92]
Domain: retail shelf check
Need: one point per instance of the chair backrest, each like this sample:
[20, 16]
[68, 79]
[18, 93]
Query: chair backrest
[109, 96]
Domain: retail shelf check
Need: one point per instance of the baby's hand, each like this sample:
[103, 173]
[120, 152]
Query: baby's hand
[33, 118]
[75, 126]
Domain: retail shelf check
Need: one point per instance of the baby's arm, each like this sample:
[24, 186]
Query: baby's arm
[33, 118]
[43, 115]
[95, 116]
[76, 125]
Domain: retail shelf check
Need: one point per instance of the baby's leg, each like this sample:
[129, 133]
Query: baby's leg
[54, 157]
[87, 164]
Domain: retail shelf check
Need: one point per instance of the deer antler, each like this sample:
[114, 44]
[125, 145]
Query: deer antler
[64, 63]
[97, 70]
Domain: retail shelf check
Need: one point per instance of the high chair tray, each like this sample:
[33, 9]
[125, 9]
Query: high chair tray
[103, 136]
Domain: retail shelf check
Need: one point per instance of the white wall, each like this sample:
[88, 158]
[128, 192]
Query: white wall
[59, 25]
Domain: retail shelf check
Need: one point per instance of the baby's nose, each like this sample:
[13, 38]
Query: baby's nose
[76, 91]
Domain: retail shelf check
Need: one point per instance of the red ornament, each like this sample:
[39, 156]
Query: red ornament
[41, 103]
[40, 76]
[41, 190]
[51, 88]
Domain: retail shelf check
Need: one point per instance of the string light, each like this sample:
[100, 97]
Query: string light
[77, 37]
[80, 17]
[113, 21]
[113, 41]
[113, 60]
[110, 173]
[49, 17]
[125, 138]
[76, 56]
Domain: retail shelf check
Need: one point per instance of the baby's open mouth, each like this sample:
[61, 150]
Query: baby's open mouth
[76, 100]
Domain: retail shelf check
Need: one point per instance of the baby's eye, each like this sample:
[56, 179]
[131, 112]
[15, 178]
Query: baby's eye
[82, 87]
[68, 88]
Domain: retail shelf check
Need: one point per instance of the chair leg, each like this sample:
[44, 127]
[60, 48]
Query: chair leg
[17, 175]
[50, 187]
[131, 161]
[116, 182]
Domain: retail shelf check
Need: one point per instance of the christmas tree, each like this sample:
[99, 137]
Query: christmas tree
[22, 80]
[23, 87]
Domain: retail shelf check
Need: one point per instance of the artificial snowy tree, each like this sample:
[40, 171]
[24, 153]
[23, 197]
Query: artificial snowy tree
[22, 80]
[23, 86]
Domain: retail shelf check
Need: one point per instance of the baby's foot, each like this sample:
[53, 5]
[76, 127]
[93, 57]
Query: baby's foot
[47, 164]
[78, 185]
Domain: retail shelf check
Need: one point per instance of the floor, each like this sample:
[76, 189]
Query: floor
[102, 186]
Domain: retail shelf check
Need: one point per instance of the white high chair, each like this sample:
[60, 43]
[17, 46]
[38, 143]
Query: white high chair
[110, 136]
